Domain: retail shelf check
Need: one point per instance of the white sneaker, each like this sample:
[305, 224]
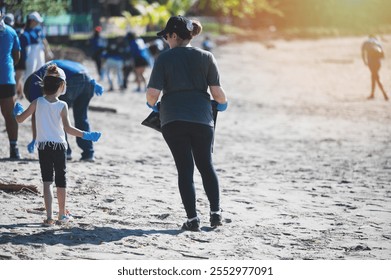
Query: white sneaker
[64, 219]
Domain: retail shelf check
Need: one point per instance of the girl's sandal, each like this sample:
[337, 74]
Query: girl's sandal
[49, 223]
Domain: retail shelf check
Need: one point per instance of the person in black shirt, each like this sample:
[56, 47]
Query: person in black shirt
[184, 74]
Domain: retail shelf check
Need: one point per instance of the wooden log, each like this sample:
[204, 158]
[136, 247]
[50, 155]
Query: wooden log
[102, 109]
[18, 187]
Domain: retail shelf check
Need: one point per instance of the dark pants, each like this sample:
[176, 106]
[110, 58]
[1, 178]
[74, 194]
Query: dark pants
[52, 158]
[189, 143]
[97, 57]
[78, 96]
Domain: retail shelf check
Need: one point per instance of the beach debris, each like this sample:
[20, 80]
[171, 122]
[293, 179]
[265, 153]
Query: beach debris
[102, 109]
[163, 216]
[18, 188]
[193, 256]
[200, 240]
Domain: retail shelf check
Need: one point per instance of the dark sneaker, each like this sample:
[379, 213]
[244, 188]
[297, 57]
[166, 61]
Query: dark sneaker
[88, 159]
[216, 220]
[14, 153]
[193, 225]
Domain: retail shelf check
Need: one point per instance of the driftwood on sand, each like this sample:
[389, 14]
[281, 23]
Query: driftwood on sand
[18, 187]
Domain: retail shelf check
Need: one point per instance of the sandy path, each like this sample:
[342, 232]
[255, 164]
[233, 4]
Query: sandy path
[304, 162]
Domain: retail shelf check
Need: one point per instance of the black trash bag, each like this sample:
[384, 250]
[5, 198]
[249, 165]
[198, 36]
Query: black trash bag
[153, 121]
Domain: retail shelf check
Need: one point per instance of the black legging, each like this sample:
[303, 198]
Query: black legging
[186, 141]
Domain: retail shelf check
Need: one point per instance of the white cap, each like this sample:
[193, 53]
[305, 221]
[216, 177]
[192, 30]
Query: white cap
[36, 17]
[9, 19]
[62, 74]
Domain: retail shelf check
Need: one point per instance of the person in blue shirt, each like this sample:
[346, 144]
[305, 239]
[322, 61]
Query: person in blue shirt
[141, 56]
[113, 58]
[9, 56]
[98, 45]
[207, 44]
[79, 91]
[34, 47]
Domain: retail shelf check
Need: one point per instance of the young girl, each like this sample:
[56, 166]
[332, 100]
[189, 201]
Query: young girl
[52, 121]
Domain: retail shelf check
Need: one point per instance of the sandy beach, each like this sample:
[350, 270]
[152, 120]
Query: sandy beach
[304, 163]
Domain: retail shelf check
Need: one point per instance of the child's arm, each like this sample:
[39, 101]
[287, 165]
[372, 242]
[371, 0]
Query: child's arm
[68, 128]
[20, 117]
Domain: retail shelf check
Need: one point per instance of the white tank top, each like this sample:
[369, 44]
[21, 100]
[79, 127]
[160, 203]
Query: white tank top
[50, 129]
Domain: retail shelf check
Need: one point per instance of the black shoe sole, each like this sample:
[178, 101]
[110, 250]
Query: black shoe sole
[187, 227]
[216, 220]
[214, 225]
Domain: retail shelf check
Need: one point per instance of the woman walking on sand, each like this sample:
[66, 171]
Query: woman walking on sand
[372, 54]
[184, 74]
[52, 121]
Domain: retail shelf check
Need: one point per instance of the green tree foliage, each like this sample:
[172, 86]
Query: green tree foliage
[349, 16]
[352, 15]
[155, 13]
[239, 8]
[178, 7]
[44, 7]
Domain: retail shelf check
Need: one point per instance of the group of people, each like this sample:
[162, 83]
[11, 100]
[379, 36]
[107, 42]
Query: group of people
[184, 74]
[44, 87]
[184, 88]
[122, 56]
[25, 53]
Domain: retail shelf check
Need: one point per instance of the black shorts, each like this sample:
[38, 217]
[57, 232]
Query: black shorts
[21, 65]
[140, 62]
[53, 158]
[7, 91]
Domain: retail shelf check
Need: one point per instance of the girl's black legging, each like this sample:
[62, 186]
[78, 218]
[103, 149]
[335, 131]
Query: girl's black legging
[189, 143]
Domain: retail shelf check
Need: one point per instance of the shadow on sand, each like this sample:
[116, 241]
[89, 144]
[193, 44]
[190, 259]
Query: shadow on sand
[73, 236]
[22, 160]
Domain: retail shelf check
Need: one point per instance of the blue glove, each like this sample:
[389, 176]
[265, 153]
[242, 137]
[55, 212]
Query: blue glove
[31, 146]
[220, 106]
[18, 109]
[98, 89]
[155, 107]
[92, 136]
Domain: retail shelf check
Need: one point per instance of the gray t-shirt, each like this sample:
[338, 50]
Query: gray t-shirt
[184, 74]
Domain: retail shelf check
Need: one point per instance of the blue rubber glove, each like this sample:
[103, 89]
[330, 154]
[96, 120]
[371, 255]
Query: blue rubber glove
[155, 107]
[98, 89]
[31, 146]
[220, 106]
[92, 136]
[18, 109]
